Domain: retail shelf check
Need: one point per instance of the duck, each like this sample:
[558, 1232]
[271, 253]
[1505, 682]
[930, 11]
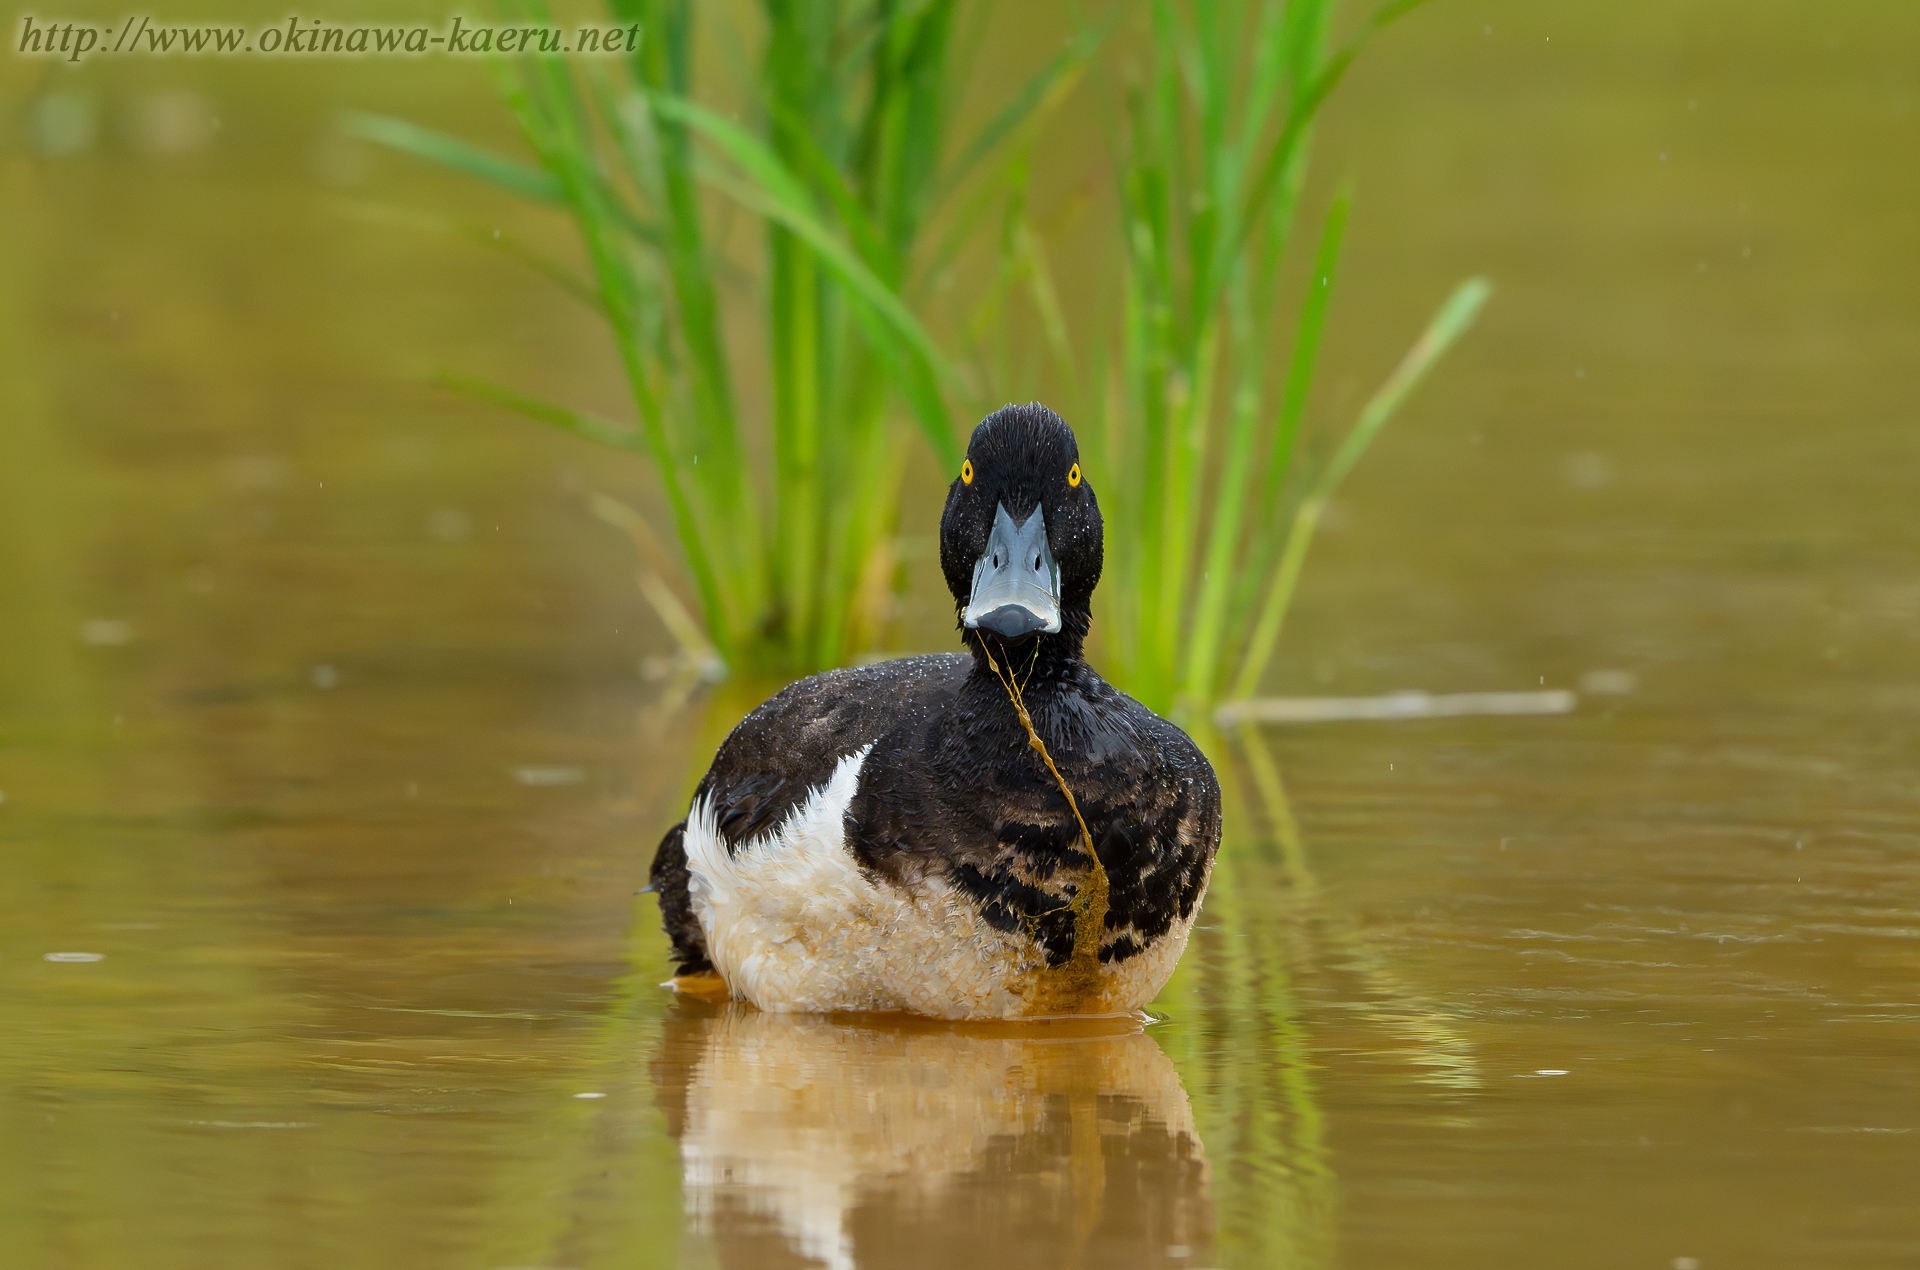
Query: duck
[997, 833]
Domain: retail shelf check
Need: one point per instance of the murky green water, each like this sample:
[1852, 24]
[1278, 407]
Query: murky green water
[327, 730]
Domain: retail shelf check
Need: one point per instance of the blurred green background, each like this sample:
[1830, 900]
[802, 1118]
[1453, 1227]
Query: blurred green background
[332, 720]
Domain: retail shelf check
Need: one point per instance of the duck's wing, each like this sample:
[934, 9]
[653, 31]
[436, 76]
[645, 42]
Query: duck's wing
[783, 751]
[1156, 828]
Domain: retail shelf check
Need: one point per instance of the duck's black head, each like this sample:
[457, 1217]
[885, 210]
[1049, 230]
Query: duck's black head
[1021, 538]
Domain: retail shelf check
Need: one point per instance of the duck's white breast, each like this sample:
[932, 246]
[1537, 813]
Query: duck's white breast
[794, 924]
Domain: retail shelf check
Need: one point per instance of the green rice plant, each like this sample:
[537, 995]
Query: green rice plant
[1194, 432]
[844, 158]
[1191, 416]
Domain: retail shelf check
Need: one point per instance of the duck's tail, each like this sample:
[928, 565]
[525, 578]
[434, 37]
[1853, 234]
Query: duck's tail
[668, 880]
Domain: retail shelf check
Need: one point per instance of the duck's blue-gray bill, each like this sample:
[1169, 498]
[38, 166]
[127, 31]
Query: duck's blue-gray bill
[1016, 585]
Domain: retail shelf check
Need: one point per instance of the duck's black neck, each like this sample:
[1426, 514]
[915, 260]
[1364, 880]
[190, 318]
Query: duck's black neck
[1039, 662]
[1055, 684]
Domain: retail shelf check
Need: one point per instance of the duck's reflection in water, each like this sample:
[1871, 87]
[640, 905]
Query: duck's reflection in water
[892, 1141]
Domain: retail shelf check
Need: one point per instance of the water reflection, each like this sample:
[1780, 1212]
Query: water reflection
[897, 1141]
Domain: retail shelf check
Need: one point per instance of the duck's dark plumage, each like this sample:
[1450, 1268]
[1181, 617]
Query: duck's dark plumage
[951, 790]
[783, 750]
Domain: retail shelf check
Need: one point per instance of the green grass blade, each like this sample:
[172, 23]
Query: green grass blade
[1045, 297]
[1236, 474]
[591, 427]
[1451, 322]
[1265, 76]
[655, 568]
[906, 121]
[828, 180]
[772, 189]
[462, 156]
[1293, 402]
[1306, 104]
[658, 158]
[1036, 98]
[989, 195]
[1448, 325]
[751, 154]
[547, 267]
[542, 94]
[1190, 409]
[918, 386]
[483, 235]
[1306, 348]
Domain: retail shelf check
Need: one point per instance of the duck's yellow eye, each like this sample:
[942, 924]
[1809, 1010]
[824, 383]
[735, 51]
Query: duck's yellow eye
[1073, 476]
[966, 470]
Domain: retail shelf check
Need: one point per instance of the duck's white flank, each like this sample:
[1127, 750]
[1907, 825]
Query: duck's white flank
[794, 925]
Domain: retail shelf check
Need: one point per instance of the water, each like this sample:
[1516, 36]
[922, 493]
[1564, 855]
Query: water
[332, 731]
